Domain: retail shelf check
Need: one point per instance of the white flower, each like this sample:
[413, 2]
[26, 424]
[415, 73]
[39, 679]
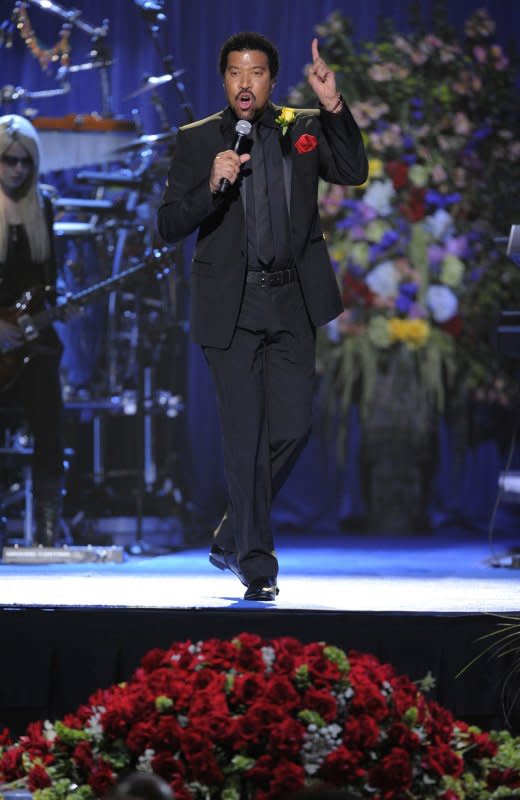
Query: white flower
[318, 743]
[379, 195]
[49, 732]
[439, 224]
[442, 303]
[94, 727]
[383, 279]
[144, 762]
[269, 658]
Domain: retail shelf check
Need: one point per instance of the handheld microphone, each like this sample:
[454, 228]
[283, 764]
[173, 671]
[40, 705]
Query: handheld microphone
[242, 128]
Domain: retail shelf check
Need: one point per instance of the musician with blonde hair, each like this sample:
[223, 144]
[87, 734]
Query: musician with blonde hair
[27, 262]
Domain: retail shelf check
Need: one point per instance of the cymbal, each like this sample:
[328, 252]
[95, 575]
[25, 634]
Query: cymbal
[153, 82]
[147, 140]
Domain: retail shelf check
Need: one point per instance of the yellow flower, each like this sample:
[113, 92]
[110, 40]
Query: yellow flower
[379, 332]
[452, 270]
[413, 332]
[285, 118]
[375, 230]
[418, 175]
[375, 170]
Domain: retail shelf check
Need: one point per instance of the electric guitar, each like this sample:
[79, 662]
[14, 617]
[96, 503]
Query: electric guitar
[13, 359]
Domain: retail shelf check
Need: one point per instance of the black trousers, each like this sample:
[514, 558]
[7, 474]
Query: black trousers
[264, 383]
[37, 393]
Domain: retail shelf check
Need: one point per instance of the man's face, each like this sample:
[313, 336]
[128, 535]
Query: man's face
[247, 82]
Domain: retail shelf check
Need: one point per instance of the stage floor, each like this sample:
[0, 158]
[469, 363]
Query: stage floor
[442, 573]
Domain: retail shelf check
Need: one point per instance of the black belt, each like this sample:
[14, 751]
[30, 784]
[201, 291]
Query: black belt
[278, 278]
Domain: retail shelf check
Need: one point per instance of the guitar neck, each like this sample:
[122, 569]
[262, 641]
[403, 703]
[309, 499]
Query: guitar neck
[42, 319]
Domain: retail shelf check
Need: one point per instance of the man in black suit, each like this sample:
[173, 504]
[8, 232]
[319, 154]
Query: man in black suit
[261, 278]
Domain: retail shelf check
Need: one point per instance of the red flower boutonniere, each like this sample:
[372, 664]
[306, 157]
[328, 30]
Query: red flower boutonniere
[306, 143]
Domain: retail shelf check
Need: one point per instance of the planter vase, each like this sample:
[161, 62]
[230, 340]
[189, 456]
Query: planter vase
[398, 449]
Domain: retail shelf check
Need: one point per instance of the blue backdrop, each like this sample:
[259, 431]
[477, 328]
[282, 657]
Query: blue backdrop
[318, 495]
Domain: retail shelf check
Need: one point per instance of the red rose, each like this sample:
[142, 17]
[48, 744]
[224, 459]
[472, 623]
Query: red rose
[287, 738]
[247, 689]
[415, 209]
[101, 779]
[321, 701]
[5, 738]
[503, 777]
[247, 729]
[482, 746]
[306, 143]
[442, 760]
[360, 733]
[393, 772]
[439, 723]
[38, 779]
[356, 292]
[139, 737]
[167, 766]
[152, 660]
[179, 790]
[82, 756]
[404, 694]
[205, 769]
[452, 326]
[401, 735]
[342, 766]
[287, 778]
[11, 766]
[398, 172]
[279, 690]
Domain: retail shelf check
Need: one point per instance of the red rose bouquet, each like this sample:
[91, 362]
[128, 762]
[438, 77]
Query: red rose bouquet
[255, 718]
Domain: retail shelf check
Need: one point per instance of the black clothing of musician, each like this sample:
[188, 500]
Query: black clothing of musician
[261, 278]
[27, 261]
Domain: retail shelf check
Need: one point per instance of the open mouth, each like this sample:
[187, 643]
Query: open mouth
[245, 101]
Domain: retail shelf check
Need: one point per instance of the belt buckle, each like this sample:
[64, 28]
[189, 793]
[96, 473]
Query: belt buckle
[264, 279]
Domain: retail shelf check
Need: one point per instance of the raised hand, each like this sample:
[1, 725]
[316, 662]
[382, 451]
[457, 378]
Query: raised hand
[322, 79]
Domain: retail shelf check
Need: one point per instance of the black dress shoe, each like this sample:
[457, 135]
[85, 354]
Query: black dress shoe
[262, 589]
[224, 559]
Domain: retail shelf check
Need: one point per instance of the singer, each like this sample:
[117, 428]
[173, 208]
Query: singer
[261, 278]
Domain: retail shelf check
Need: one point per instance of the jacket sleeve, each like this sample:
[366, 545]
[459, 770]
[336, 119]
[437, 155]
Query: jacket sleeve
[342, 153]
[187, 199]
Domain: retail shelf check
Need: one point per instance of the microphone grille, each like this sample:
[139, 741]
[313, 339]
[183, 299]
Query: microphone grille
[243, 127]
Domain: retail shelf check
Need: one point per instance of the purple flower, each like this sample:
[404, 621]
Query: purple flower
[435, 255]
[389, 238]
[409, 289]
[457, 246]
[441, 200]
[403, 303]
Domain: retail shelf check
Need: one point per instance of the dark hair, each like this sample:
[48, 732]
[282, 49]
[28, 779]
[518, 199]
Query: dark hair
[249, 41]
[322, 792]
[141, 786]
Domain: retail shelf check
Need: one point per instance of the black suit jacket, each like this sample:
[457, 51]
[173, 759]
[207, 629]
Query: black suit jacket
[218, 270]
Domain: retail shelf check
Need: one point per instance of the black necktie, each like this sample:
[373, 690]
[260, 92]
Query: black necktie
[264, 233]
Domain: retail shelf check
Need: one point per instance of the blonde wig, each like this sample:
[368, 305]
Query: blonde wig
[14, 128]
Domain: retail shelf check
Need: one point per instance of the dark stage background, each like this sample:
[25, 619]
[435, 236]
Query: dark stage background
[319, 495]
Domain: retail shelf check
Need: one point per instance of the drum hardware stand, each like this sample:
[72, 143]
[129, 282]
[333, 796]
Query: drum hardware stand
[153, 15]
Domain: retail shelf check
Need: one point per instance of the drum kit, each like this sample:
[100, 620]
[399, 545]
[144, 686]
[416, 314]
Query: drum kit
[107, 222]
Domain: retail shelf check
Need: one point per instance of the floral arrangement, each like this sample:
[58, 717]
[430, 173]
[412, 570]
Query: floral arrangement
[256, 718]
[414, 248]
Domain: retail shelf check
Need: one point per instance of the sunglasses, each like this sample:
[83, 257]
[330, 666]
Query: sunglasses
[12, 161]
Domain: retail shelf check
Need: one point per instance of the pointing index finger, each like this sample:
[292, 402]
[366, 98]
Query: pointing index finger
[315, 51]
